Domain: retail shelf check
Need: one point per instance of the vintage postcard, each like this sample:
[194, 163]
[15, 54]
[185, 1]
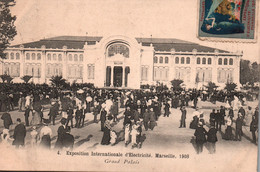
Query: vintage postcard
[111, 85]
[227, 20]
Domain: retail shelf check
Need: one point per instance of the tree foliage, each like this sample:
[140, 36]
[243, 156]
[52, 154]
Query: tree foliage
[249, 73]
[211, 87]
[176, 84]
[26, 78]
[58, 81]
[7, 27]
[6, 78]
[230, 87]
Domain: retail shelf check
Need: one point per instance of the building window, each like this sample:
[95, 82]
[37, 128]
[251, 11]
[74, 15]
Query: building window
[75, 57]
[225, 76]
[33, 56]
[166, 60]
[177, 60]
[33, 69]
[118, 48]
[198, 60]
[230, 61]
[155, 59]
[17, 56]
[220, 61]
[203, 60]
[161, 59]
[209, 60]
[39, 56]
[91, 70]
[12, 56]
[27, 56]
[182, 60]
[49, 57]
[12, 69]
[70, 57]
[225, 61]
[144, 73]
[54, 57]
[203, 75]
[7, 55]
[60, 57]
[81, 57]
[187, 60]
[156, 74]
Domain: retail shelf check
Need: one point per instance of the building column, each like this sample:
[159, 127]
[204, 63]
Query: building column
[22, 63]
[65, 64]
[112, 76]
[43, 67]
[123, 77]
[215, 69]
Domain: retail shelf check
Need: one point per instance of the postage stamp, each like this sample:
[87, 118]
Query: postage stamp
[229, 20]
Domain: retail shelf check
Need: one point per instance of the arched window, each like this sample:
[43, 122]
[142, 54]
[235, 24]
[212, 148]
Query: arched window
[209, 60]
[54, 57]
[81, 57]
[177, 60]
[39, 56]
[27, 56]
[155, 59]
[75, 57]
[225, 61]
[49, 57]
[60, 57]
[7, 55]
[118, 48]
[12, 56]
[70, 57]
[220, 61]
[33, 56]
[198, 60]
[161, 59]
[17, 56]
[182, 60]
[166, 60]
[203, 60]
[230, 61]
[187, 60]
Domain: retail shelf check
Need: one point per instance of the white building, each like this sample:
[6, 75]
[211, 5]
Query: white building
[120, 61]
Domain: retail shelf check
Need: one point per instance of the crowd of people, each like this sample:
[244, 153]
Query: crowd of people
[142, 109]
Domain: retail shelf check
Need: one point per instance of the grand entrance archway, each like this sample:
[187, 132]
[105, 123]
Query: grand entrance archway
[117, 76]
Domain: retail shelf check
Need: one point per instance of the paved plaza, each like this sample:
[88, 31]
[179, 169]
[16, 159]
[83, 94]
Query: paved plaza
[166, 139]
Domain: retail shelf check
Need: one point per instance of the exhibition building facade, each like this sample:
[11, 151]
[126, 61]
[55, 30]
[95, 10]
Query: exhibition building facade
[120, 61]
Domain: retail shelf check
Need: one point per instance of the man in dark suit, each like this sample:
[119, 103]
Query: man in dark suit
[218, 120]
[212, 117]
[254, 125]
[61, 131]
[239, 124]
[68, 139]
[19, 134]
[183, 117]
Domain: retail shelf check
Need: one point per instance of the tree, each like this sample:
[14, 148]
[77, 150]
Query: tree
[245, 72]
[255, 72]
[6, 78]
[230, 87]
[58, 81]
[176, 84]
[211, 87]
[26, 78]
[7, 27]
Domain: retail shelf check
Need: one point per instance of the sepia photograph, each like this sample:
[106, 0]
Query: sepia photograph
[129, 85]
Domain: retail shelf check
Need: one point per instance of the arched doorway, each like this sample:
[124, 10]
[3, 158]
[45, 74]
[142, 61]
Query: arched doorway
[117, 72]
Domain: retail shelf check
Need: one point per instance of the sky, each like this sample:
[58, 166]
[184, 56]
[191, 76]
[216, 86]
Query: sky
[38, 19]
